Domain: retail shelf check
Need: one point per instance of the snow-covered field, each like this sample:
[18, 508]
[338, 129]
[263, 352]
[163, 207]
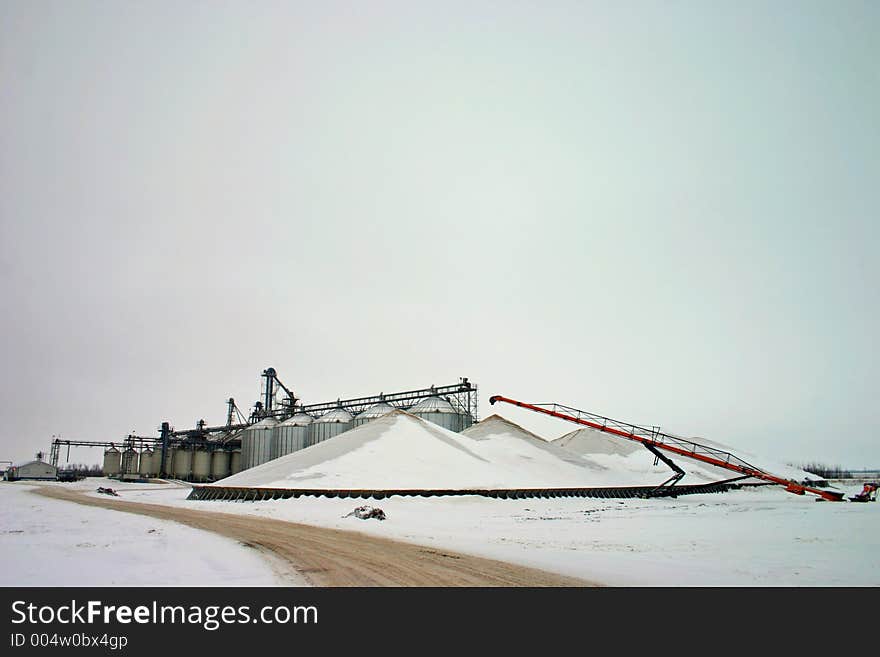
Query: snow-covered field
[752, 537]
[758, 537]
[48, 542]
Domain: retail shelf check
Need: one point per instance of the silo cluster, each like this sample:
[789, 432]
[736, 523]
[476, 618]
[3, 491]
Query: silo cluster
[189, 462]
[224, 453]
[209, 454]
[268, 439]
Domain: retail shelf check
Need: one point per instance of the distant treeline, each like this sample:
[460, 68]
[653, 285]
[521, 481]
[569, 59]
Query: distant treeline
[827, 471]
[83, 470]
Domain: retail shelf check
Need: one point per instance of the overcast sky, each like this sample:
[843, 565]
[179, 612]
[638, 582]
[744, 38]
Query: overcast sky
[665, 213]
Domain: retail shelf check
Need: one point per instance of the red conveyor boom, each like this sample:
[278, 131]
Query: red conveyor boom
[674, 444]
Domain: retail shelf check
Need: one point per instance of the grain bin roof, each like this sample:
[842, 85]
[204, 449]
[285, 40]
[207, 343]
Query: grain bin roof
[336, 415]
[376, 410]
[265, 423]
[298, 420]
[433, 405]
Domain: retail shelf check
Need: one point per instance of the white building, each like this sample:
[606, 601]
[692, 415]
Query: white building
[36, 469]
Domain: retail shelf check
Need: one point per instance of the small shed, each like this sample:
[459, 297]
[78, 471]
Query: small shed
[36, 469]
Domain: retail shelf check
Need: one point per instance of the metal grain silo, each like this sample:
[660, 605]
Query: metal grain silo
[374, 411]
[182, 462]
[201, 465]
[258, 442]
[235, 462]
[220, 464]
[330, 424]
[439, 411]
[112, 462]
[146, 467]
[247, 447]
[292, 435]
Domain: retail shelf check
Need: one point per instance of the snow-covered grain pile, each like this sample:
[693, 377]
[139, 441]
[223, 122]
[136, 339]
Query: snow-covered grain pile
[400, 450]
[592, 441]
[621, 454]
[624, 455]
[505, 443]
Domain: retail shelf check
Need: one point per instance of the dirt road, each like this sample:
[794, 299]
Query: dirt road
[332, 557]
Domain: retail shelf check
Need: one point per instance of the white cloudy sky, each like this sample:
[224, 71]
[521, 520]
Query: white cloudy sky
[661, 212]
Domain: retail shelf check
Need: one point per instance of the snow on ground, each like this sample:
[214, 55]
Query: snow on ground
[751, 537]
[400, 450]
[49, 542]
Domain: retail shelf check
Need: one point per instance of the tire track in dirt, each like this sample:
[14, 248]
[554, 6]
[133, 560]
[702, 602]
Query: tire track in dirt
[333, 557]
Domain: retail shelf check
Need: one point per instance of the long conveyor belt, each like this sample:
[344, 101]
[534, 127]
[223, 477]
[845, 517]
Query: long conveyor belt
[253, 494]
